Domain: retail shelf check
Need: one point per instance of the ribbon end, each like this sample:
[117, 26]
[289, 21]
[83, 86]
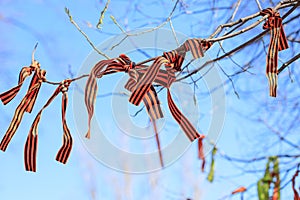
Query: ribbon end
[88, 134]
[201, 152]
[272, 79]
[60, 160]
[4, 143]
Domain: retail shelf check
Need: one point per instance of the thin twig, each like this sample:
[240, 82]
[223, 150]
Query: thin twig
[148, 30]
[174, 33]
[284, 65]
[258, 4]
[85, 35]
[238, 48]
[242, 20]
[283, 4]
[100, 22]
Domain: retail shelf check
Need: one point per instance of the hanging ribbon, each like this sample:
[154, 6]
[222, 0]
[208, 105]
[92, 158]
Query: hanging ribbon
[296, 194]
[26, 105]
[120, 64]
[141, 81]
[7, 96]
[172, 62]
[30, 151]
[278, 42]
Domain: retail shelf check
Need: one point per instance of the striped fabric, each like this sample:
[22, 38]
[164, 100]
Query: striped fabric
[278, 42]
[30, 150]
[65, 150]
[17, 118]
[91, 89]
[26, 105]
[172, 61]
[7, 96]
[36, 80]
[141, 81]
[120, 64]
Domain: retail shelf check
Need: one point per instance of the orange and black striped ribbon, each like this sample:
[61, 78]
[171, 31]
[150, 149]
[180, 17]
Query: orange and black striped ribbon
[7, 96]
[91, 89]
[36, 80]
[30, 151]
[64, 152]
[22, 107]
[120, 64]
[278, 42]
[172, 62]
[174, 58]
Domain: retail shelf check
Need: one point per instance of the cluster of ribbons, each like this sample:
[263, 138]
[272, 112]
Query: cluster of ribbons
[140, 84]
[26, 105]
[278, 42]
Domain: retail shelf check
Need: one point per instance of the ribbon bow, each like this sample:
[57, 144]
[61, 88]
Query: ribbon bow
[173, 61]
[120, 64]
[278, 42]
[27, 102]
[141, 81]
[32, 138]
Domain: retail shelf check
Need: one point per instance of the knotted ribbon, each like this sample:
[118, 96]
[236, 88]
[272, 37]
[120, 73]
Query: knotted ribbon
[278, 42]
[30, 151]
[141, 81]
[173, 61]
[120, 64]
[27, 102]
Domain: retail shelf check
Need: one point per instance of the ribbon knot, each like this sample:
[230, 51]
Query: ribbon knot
[278, 42]
[64, 85]
[28, 101]
[30, 151]
[127, 63]
[141, 81]
[41, 74]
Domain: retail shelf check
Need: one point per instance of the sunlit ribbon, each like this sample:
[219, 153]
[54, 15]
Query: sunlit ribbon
[278, 42]
[141, 80]
[30, 151]
[26, 104]
[172, 62]
[120, 64]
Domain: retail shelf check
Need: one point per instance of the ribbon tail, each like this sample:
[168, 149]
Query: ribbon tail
[64, 152]
[91, 89]
[296, 194]
[158, 144]
[30, 151]
[17, 118]
[272, 79]
[33, 94]
[183, 122]
[272, 62]
[201, 153]
[153, 105]
[187, 127]
[7, 96]
[283, 43]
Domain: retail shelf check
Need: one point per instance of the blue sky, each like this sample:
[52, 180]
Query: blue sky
[63, 49]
